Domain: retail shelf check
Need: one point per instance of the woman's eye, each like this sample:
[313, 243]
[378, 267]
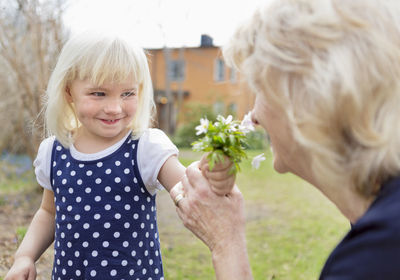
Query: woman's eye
[97, 93]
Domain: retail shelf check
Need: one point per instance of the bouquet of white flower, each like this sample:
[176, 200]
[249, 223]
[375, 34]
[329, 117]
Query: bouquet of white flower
[225, 137]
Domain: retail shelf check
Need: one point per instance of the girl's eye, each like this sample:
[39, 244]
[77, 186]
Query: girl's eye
[128, 94]
[98, 94]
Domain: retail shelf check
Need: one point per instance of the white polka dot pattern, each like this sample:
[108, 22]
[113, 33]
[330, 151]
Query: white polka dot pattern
[105, 219]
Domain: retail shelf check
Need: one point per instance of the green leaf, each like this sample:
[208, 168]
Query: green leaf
[220, 141]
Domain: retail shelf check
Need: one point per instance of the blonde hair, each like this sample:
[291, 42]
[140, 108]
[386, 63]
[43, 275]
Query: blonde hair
[99, 58]
[333, 66]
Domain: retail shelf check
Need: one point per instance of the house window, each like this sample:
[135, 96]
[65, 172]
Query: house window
[176, 70]
[219, 108]
[219, 70]
[232, 109]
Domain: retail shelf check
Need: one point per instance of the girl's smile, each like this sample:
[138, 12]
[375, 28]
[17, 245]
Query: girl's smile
[110, 121]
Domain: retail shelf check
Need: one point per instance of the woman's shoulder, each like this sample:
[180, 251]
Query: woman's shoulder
[383, 216]
[374, 234]
[386, 207]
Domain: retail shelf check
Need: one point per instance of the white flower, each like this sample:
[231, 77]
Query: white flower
[257, 160]
[233, 127]
[228, 120]
[203, 127]
[198, 146]
[246, 125]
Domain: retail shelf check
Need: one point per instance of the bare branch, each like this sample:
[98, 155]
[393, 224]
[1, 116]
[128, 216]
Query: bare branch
[31, 37]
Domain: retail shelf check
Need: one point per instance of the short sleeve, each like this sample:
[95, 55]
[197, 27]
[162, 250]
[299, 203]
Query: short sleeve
[42, 163]
[154, 149]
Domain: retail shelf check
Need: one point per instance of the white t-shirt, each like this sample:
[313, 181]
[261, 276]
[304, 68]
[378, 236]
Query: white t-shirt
[154, 149]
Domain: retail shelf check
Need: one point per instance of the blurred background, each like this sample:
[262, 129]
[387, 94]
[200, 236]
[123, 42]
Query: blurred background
[287, 239]
[182, 39]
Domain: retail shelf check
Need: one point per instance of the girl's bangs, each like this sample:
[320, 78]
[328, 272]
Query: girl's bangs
[113, 63]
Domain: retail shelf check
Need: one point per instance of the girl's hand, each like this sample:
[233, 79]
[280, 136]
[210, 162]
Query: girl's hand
[23, 268]
[221, 178]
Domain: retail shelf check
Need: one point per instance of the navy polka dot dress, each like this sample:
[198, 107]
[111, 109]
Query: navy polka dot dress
[106, 224]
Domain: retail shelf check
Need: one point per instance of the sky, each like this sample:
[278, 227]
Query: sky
[155, 23]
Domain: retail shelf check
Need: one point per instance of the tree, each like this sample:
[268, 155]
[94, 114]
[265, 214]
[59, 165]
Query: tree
[31, 37]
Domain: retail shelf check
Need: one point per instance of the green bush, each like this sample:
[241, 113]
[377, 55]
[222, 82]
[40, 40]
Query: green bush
[186, 133]
[257, 140]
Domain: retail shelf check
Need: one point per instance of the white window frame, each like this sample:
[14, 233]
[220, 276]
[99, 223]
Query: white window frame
[219, 70]
[179, 66]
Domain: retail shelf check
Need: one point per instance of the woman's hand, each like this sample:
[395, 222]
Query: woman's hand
[22, 269]
[221, 178]
[218, 221]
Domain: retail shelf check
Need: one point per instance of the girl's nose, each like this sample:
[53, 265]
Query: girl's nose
[112, 106]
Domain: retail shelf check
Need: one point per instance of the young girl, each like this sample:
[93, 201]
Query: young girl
[101, 168]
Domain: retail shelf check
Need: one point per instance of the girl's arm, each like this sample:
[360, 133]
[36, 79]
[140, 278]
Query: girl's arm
[171, 172]
[37, 239]
[220, 178]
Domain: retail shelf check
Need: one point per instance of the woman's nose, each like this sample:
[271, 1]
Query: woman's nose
[253, 118]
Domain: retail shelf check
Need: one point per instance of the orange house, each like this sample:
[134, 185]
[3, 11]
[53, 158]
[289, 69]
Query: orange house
[195, 75]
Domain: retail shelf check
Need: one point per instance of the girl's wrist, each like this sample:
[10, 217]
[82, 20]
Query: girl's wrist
[19, 257]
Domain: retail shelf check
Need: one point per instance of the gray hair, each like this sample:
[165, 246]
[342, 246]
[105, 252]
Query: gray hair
[333, 66]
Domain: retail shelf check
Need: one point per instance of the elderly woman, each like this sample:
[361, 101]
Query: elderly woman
[326, 74]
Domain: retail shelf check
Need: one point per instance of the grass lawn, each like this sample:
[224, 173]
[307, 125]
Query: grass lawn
[291, 229]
